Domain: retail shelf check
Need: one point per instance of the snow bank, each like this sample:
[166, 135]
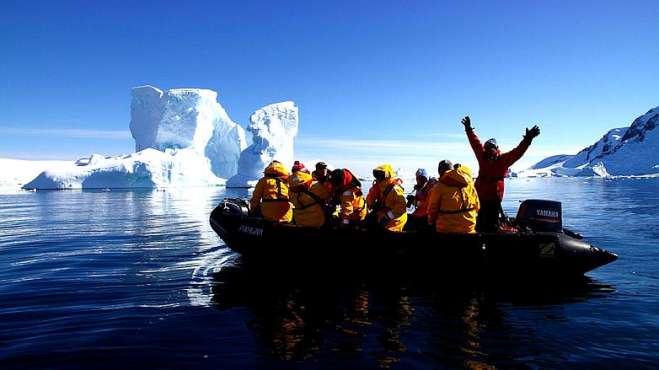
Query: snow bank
[14, 173]
[602, 147]
[148, 168]
[273, 130]
[627, 151]
[550, 161]
[638, 151]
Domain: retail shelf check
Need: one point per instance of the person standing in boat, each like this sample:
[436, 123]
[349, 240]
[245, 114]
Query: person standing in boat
[348, 195]
[454, 203]
[493, 168]
[386, 199]
[271, 194]
[424, 184]
[310, 200]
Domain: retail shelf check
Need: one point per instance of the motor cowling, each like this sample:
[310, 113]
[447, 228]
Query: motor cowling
[540, 215]
[234, 207]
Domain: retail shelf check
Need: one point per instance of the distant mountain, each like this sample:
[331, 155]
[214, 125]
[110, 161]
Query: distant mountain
[627, 151]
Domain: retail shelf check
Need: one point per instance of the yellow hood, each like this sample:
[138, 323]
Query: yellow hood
[387, 169]
[276, 168]
[301, 178]
[460, 177]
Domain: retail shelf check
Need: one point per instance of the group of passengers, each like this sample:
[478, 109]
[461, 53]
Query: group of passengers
[452, 203]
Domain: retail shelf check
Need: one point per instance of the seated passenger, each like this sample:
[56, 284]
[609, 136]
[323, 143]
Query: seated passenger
[454, 203]
[386, 199]
[271, 194]
[424, 184]
[297, 167]
[347, 191]
[310, 200]
[320, 174]
[445, 165]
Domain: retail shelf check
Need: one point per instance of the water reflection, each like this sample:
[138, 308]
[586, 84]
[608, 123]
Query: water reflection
[384, 319]
[109, 278]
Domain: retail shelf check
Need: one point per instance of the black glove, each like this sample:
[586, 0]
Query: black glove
[467, 123]
[532, 133]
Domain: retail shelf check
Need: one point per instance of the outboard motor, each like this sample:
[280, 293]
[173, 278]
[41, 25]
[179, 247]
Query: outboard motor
[234, 207]
[540, 215]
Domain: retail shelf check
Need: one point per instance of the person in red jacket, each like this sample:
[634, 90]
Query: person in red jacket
[493, 168]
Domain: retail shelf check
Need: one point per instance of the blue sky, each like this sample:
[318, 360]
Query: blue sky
[375, 81]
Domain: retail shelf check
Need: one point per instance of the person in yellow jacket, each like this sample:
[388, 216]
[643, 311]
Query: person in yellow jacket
[386, 199]
[310, 200]
[271, 194]
[454, 203]
[348, 195]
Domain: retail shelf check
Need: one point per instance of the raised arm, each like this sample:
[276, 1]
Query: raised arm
[474, 141]
[514, 155]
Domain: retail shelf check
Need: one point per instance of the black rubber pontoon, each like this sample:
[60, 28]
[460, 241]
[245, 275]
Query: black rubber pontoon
[541, 247]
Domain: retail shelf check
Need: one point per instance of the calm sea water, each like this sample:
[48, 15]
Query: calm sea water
[137, 279]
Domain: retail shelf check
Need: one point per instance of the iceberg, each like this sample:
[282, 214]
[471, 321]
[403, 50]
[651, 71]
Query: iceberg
[224, 148]
[187, 118]
[626, 151]
[273, 130]
[183, 137]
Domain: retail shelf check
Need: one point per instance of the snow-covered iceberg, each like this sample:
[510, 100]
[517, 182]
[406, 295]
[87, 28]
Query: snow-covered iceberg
[273, 130]
[187, 118]
[183, 137]
[627, 151]
[224, 149]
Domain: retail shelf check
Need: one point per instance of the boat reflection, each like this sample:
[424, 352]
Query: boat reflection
[382, 318]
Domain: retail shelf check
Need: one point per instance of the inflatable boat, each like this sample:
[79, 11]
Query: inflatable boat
[538, 245]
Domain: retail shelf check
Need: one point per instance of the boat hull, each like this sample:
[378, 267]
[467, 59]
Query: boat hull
[498, 253]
